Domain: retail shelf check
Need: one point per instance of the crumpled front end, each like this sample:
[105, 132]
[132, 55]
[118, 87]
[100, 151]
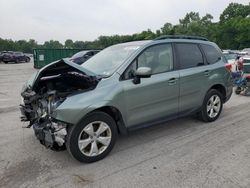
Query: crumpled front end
[50, 87]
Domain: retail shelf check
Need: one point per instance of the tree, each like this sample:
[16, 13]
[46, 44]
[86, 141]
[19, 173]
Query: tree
[53, 44]
[79, 44]
[234, 10]
[190, 17]
[167, 29]
[232, 31]
[69, 43]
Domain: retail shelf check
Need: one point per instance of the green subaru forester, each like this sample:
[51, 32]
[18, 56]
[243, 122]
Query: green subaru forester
[124, 87]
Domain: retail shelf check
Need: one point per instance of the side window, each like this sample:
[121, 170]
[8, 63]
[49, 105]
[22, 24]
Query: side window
[189, 55]
[159, 58]
[212, 54]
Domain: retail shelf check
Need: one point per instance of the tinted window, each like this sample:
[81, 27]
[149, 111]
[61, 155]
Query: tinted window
[159, 58]
[189, 55]
[211, 53]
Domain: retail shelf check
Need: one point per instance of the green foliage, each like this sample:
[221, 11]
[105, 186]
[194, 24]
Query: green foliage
[236, 33]
[69, 43]
[231, 32]
[52, 44]
[235, 10]
[20, 45]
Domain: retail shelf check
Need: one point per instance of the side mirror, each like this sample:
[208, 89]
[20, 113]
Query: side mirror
[142, 72]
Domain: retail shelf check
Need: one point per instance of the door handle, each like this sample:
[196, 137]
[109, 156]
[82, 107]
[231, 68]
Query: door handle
[207, 72]
[172, 81]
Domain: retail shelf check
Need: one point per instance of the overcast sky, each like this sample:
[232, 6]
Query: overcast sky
[87, 19]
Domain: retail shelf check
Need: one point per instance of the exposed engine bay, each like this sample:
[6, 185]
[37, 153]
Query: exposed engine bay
[50, 88]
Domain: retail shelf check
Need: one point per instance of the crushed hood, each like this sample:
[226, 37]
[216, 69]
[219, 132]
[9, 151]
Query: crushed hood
[55, 68]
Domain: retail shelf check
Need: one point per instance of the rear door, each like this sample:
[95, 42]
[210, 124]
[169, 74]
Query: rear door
[194, 75]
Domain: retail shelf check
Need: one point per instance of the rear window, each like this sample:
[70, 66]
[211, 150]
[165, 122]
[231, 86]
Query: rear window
[246, 60]
[211, 53]
[189, 55]
[230, 56]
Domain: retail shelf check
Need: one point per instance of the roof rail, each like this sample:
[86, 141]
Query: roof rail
[180, 37]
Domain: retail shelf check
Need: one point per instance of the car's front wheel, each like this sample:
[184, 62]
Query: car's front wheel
[212, 106]
[93, 138]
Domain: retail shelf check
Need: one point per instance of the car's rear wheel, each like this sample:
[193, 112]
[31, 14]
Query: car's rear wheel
[27, 59]
[212, 106]
[93, 138]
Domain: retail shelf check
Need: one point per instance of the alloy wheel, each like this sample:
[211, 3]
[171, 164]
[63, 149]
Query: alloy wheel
[94, 138]
[213, 106]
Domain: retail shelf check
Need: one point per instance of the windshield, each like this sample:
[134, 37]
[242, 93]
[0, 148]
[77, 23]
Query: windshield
[230, 56]
[108, 60]
[79, 54]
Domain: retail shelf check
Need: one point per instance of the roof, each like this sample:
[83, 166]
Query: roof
[181, 37]
[171, 38]
[135, 43]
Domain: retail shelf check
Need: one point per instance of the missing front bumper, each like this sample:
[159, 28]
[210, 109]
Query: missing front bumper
[49, 136]
[46, 137]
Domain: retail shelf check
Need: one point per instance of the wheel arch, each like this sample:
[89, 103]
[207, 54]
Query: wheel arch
[116, 115]
[221, 89]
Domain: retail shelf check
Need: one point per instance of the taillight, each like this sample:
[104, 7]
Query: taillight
[228, 67]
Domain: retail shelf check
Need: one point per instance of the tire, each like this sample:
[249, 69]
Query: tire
[5, 62]
[27, 59]
[207, 115]
[237, 90]
[91, 145]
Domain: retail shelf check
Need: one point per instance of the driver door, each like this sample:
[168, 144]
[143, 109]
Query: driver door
[154, 98]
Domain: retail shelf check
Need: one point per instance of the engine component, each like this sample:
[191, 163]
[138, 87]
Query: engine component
[49, 88]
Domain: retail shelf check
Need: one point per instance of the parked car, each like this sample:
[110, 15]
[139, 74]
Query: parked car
[231, 58]
[5, 55]
[16, 57]
[122, 88]
[246, 51]
[246, 63]
[82, 56]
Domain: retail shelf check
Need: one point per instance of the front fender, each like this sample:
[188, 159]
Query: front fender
[107, 93]
[72, 115]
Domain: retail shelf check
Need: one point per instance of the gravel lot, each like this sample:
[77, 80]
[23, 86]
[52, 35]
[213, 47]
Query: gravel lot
[180, 153]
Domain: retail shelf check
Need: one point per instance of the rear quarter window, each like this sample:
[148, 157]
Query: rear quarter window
[211, 53]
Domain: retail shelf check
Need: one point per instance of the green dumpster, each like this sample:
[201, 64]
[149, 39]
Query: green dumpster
[43, 57]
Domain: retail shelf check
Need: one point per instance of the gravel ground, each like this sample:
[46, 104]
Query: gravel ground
[180, 153]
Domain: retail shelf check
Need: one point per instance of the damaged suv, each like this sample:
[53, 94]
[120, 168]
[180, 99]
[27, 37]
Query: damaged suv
[124, 87]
